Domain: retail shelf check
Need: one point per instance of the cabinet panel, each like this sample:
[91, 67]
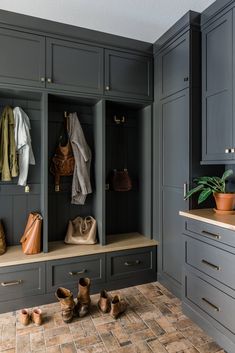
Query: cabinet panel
[211, 300]
[175, 144]
[22, 281]
[128, 75]
[172, 229]
[217, 86]
[22, 59]
[174, 62]
[74, 67]
[215, 262]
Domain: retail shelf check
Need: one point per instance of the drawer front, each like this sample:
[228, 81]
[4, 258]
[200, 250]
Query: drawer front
[130, 263]
[22, 281]
[211, 300]
[210, 231]
[211, 260]
[66, 272]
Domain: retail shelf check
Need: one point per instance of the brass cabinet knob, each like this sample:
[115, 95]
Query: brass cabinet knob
[232, 150]
[227, 150]
[107, 88]
[42, 79]
[49, 80]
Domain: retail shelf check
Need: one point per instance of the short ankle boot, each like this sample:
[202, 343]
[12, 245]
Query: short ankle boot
[104, 302]
[67, 304]
[2, 240]
[83, 297]
[118, 306]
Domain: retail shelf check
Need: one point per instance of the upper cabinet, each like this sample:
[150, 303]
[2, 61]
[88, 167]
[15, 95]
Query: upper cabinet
[218, 137]
[128, 75]
[74, 67]
[174, 67]
[22, 59]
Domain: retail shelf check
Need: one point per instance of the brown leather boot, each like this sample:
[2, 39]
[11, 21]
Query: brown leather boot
[104, 302]
[67, 304]
[118, 306]
[2, 239]
[83, 297]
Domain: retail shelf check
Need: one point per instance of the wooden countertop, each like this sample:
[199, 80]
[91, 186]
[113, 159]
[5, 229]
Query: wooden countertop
[59, 250]
[209, 216]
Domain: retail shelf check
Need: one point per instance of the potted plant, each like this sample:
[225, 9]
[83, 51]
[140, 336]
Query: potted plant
[225, 202]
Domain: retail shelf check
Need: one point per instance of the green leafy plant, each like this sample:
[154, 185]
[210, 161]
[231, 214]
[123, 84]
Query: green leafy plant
[208, 185]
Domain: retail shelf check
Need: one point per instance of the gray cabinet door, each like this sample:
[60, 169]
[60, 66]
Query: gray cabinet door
[217, 86]
[128, 75]
[174, 67]
[73, 66]
[22, 59]
[175, 139]
[175, 117]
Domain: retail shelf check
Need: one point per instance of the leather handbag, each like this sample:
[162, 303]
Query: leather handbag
[3, 246]
[81, 231]
[120, 180]
[62, 163]
[31, 239]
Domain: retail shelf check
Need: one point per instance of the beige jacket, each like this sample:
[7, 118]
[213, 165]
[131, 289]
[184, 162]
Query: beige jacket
[8, 157]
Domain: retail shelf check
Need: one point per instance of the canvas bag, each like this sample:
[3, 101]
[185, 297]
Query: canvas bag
[31, 239]
[81, 231]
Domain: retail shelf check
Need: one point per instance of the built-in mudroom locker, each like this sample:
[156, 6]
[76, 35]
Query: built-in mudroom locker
[115, 116]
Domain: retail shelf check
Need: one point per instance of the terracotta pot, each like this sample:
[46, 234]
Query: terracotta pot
[224, 202]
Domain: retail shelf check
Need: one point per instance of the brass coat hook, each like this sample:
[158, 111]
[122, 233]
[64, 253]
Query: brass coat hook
[118, 120]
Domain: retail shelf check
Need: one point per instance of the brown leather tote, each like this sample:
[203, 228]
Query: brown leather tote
[121, 181]
[31, 240]
[3, 246]
[62, 163]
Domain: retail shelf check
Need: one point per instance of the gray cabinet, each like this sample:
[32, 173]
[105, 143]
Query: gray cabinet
[217, 90]
[73, 66]
[174, 67]
[128, 75]
[22, 59]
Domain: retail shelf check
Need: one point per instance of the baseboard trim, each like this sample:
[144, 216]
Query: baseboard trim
[173, 286]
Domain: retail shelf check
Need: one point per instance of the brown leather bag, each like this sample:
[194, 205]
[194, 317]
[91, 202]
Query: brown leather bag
[62, 163]
[31, 240]
[121, 181]
[81, 231]
[3, 246]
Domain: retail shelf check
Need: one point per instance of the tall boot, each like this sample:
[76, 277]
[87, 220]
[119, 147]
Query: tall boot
[67, 304]
[83, 297]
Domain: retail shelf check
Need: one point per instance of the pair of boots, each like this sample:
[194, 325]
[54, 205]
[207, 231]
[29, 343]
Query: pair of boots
[67, 303]
[115, 306]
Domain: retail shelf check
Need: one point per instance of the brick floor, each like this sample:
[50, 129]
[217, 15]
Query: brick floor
[153, 322]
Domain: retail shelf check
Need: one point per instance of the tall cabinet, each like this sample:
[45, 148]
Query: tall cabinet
[177, 140]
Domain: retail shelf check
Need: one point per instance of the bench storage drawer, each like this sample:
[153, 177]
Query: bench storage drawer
[66, 272]
[22, 281]
[123, 264]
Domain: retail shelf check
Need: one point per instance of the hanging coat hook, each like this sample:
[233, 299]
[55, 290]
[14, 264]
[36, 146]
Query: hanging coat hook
[118, 120]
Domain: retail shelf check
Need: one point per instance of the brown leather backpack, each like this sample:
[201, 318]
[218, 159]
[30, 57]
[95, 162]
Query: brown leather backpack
[62, 163]
[120, 180]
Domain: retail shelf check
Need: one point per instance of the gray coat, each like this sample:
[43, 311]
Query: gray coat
[81, 185]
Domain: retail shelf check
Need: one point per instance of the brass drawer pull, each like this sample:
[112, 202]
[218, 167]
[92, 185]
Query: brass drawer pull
[132, 263]
[211, 234]
[77, 273]
[215, 267]
[12, 283]
[213, 306]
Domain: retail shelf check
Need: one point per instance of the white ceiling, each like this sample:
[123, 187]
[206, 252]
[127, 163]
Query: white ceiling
[139, 19]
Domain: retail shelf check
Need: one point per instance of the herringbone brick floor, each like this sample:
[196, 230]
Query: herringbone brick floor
[153, 322]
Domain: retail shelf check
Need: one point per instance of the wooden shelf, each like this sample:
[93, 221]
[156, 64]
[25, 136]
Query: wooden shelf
[59, 250]
[209, 216]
